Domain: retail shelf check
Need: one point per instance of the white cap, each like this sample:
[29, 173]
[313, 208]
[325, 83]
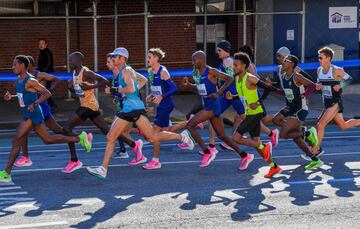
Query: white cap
[120, 52]
[284, 51]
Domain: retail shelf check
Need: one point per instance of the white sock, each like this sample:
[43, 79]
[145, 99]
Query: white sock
[155, 159]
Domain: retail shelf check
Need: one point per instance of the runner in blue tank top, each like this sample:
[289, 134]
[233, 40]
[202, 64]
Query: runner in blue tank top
[206, 79]
[162, 88]
[27, 89]
[133, 111]
[50, 122]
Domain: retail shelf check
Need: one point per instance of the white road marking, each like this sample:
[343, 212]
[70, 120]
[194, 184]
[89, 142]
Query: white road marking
[32, 225]
[9, 188]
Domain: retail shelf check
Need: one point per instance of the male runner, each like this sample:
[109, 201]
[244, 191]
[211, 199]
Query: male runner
[27, 89]
[133, 111]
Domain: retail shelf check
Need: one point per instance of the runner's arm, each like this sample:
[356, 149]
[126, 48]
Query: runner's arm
[45, 93]
[92, 76]
[45, 76]
[228, 80]
[141, 79]
[171, 85]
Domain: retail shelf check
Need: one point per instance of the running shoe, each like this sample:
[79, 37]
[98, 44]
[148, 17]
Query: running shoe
[275, 137]
[23, 162]
[136, 161]
[152, 165]
[120, 154]
[207, 159]
[318, 154]
[312, 138]
[99, 172]
[245, 161]
[72, 166]
[272, 172]
[212, 150]
[186, 138]
[267, 151]
[5, 177]
[225, 146]
[86, 140]
[314, 165]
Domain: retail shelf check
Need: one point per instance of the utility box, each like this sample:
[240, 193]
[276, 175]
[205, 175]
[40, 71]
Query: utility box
[338, 51]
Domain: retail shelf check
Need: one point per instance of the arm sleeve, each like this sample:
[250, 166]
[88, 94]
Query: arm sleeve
[172, 88]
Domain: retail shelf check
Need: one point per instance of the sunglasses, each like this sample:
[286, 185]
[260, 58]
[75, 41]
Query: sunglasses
[287, 60]
[321, 57]
[218, 50]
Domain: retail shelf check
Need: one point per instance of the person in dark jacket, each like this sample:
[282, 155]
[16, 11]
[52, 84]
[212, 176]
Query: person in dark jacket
[46, 64]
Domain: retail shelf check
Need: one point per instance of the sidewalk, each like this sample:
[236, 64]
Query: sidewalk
[10, 114]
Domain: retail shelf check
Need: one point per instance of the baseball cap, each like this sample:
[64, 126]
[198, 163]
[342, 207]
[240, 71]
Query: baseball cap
[120, 52]
[284, 51]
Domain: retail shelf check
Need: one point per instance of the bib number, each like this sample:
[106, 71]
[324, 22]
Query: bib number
[156, 90]
[289, 94]
[201, 89]
[327, 92]
[21, 99]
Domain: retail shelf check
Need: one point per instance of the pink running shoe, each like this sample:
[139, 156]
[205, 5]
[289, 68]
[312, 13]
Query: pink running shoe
[134, 161]
[207, 159]
[138, 149]
[275, 137]
[152, 165]
[246, 161]
[72, 166]
[212, 150]
[23, 162]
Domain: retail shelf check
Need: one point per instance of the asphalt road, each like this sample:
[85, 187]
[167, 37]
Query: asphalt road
[182, 195]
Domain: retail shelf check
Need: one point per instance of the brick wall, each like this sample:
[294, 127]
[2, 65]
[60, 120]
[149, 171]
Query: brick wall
[176, 36]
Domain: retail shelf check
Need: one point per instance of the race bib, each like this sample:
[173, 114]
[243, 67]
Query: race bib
[289, 94]
[327, 92]
[21, 99]
[156, 90]
[201, 89]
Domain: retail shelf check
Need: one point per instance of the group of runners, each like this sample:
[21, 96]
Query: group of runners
[234, 83]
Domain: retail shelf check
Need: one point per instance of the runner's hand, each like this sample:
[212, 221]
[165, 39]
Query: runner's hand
[185, 81]
[319, 87]
[337, 88]
[228, 95]
[7, 96]
[158, 99]
[149, 98]
[31, 107]
[253, 106]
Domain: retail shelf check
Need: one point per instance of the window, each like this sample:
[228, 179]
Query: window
[16, 8]
[215, 6]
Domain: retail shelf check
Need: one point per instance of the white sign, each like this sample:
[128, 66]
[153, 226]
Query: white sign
[290, 35]
[342, 17]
